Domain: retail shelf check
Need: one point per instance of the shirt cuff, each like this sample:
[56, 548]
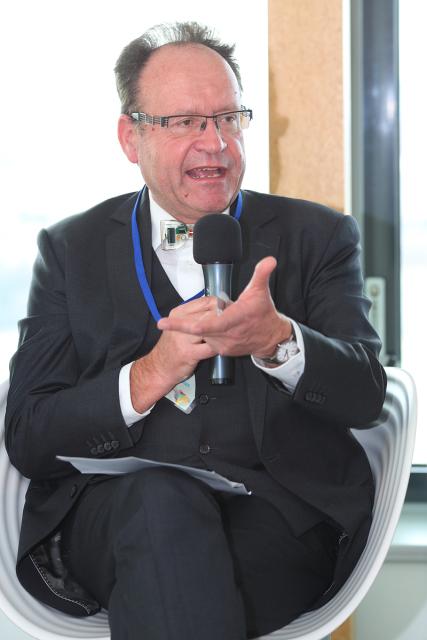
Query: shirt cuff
[130, 416]
[290, 372]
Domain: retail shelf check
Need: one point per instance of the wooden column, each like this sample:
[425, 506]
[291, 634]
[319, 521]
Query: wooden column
[345, 631]
[306, 110]
[306, 100]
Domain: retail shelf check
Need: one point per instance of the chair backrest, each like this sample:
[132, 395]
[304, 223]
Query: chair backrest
[22, 609]
[389, 447]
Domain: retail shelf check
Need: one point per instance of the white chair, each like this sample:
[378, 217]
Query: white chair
[389, 447]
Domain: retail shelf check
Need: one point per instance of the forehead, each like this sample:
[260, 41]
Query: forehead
[187, 77]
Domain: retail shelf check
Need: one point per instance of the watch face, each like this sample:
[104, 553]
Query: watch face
[285, 351]
[281, 354]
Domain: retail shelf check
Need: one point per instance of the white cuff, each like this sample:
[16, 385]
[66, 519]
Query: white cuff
[291, 371]
[129, 414]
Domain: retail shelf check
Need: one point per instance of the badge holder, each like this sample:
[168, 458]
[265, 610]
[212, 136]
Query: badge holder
[183, 395]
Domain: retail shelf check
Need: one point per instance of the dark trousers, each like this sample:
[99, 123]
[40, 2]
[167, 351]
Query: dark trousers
[172, 560]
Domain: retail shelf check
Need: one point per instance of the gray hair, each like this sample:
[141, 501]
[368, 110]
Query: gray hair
[136, 54]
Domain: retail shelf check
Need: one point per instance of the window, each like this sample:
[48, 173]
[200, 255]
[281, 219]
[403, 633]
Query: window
[59, 150]
[413, 221]
[389, 135]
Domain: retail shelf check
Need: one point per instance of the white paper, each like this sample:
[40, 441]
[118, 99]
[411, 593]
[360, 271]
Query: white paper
[120, 466]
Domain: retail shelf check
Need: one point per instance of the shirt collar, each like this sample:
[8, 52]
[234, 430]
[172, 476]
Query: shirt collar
[157, 214]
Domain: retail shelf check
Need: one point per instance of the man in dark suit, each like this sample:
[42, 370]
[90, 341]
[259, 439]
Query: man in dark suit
[98, 374]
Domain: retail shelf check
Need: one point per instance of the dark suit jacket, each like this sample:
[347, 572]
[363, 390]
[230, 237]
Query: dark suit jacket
[86, 318]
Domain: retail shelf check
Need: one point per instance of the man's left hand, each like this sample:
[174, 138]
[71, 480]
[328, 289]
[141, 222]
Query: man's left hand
[250, 325]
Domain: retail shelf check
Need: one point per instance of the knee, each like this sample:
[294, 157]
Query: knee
[159, 512]
[163, 493]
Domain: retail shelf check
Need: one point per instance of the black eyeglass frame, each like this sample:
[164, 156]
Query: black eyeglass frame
[163, 121]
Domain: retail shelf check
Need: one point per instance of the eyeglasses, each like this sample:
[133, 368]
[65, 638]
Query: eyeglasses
[227, 123]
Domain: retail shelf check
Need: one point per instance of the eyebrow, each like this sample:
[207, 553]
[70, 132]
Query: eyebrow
[193, 112]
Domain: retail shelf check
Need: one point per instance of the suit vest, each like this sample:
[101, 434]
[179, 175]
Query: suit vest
[217, 434]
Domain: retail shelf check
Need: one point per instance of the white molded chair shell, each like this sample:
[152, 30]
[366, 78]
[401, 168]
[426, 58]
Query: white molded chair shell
[20, 607]
[389, 447]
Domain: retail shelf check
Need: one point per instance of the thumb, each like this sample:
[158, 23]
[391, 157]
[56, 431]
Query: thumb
[262, 273]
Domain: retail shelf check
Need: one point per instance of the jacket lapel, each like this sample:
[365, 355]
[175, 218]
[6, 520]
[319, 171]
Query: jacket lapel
[131, 314]
[260, 239]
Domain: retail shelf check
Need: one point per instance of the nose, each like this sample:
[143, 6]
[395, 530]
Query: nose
[210, 138]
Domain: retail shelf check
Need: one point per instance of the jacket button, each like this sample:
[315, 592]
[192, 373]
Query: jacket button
[203, 398]
[317, 398]
[73, 490]
[204, 449]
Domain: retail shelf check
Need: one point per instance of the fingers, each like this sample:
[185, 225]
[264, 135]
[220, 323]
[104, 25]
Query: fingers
[187, 314]
[194, 307]
[185, 324]
[212, 316]
[203, 350]
[262, 273]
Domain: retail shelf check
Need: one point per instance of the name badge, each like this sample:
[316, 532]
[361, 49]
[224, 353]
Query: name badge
[183, 395]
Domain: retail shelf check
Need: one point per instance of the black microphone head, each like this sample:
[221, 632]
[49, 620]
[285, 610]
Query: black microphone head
[217, 238]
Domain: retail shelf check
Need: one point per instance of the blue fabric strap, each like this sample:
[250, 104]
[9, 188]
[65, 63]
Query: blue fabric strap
[139, 262]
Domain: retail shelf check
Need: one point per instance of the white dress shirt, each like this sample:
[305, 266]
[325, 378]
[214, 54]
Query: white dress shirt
[187, 278]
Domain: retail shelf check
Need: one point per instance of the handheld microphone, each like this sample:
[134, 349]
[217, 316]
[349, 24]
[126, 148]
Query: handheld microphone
[217, 245]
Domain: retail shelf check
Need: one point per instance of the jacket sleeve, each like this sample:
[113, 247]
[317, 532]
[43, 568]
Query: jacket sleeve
[51, 410]
[343, 380]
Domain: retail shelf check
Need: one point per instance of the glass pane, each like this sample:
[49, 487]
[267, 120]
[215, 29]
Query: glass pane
[413, 126]
[59, 108]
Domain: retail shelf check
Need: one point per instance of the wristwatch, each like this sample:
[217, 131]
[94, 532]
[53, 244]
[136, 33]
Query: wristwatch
[284, 351]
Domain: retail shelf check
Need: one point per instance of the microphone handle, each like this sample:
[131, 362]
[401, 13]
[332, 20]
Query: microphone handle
[222, 370]
[218, 280]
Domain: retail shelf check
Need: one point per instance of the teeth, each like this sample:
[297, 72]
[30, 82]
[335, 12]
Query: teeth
[205, 172]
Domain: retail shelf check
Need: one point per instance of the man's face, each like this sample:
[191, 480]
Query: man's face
[188, 176]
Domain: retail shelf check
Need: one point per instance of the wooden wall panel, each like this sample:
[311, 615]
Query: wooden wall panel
[306, 100]
[306, 110]
[344, 632]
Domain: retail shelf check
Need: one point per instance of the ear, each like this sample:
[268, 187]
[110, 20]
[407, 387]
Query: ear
[127, 132]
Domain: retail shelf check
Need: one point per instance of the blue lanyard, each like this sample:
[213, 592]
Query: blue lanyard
[139, 262]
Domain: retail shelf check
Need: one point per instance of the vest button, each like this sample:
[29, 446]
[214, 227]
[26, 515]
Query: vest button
[203, 398]
[204, 449]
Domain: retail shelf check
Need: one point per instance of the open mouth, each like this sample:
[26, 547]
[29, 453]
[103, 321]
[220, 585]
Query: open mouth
[200, 173]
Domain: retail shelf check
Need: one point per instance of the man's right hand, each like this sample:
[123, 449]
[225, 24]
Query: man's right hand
[172, 359]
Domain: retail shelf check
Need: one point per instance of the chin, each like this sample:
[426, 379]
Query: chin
[214, 203]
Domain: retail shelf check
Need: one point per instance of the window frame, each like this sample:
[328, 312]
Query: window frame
[375, 174]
